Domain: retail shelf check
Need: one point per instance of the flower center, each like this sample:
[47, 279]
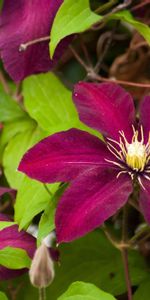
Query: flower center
[132, 158]
[136, 156]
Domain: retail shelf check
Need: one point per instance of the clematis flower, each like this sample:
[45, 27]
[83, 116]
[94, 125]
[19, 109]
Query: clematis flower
[23, 21]
[12, 237]
[102, 174]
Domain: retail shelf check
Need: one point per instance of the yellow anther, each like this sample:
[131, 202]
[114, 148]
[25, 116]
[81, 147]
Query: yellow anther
[136, 156]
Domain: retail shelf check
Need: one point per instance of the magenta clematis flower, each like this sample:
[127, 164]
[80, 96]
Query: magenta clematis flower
[12, 237]
[102, 174]
[22, 21]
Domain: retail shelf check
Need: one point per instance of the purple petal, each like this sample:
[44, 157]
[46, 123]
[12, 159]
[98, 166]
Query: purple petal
[63, 156]
[106, 107]
[4, 190]
[4, 218]
[12, 237]
[91, 199]
[145, 116]
[23, 21]
[144, 199]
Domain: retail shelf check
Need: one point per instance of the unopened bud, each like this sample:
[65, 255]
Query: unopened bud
[42, 269]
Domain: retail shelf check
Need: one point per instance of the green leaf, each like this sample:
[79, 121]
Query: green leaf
[32, 198]
[143, 291]
[126, 16]
[93, 259]
[3, 296]
[76, 17]
[14, 258]
[9, 109]
[13, 153]
[46, 224]
[13, 128]
[49, 102]
[81, 290]
[72, 17]
[4, 224]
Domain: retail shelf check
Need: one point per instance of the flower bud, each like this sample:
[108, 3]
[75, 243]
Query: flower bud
[42, 269]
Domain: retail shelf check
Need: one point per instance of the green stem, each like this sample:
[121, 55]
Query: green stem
[46, 188]
[42, 294]
[124, 251]
[106, 6]
[139, 234]
[110, 237]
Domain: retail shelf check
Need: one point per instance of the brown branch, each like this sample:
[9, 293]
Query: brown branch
[107, 46]
[93, 76]
[79, 59]
[85, 51]
[140, 5]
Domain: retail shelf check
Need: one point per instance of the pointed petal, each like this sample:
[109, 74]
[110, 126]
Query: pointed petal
[63, 156]
[102, 105]
[145, 116]
[91, 199]
[23, 21]
[12, 237]
[144, 199]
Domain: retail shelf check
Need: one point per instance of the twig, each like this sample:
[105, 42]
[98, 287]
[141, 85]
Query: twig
[106, 6]
[140, 233]
[94, 76]
[85, 51]
[4, 83]
[120, 7]
[140, 5]
[18, 92]
[14, 291]
[79, 59]
[113, 241]
[108, 44]
[134, 204]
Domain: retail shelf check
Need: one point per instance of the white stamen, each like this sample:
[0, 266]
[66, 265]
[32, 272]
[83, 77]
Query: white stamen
[142, 135]
[134, 155]
[109, 146]
[140, 182]
[148, 178]
[121, 172]
[114, 141]
[115, 163]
